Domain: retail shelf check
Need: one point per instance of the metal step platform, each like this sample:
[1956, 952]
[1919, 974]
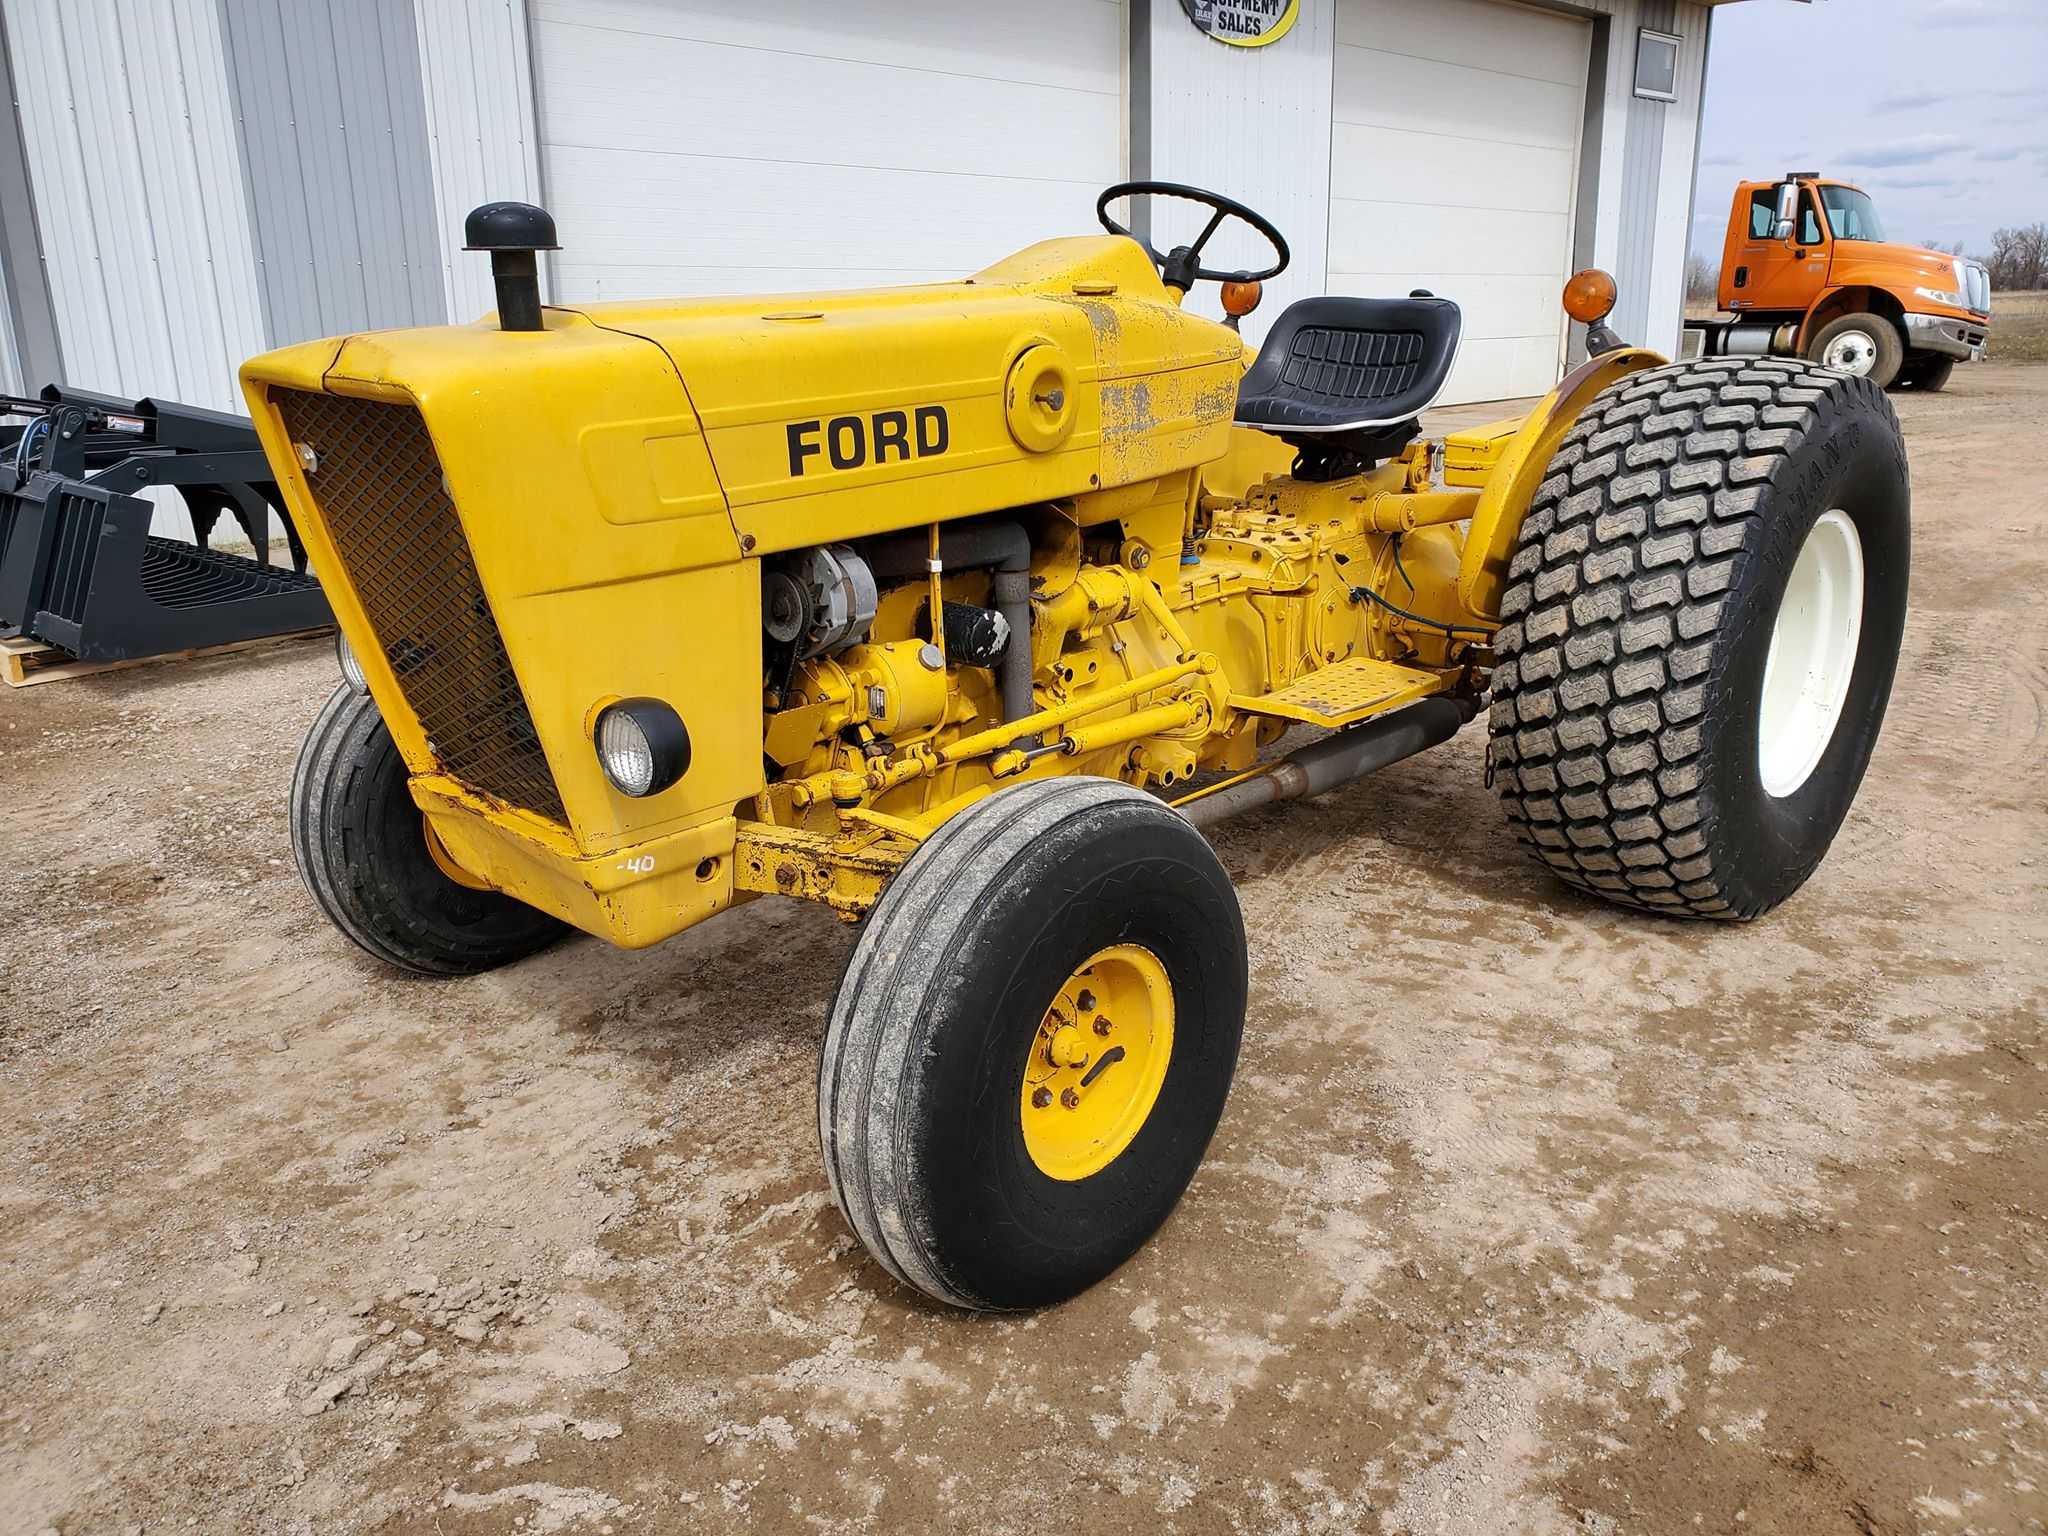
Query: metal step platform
[1345, 692]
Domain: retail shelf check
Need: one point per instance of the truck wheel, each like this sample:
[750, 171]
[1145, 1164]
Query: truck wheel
[1862, 345]
[1702, 622]
[1032, 1043]
[362, 851]
[1927, 374]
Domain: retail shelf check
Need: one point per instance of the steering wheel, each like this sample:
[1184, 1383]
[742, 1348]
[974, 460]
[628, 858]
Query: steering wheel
[1182, 266]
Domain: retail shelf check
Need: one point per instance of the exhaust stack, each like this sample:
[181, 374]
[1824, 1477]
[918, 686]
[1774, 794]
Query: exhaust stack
[513, 233]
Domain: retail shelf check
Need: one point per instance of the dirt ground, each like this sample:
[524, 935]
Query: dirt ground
[1526, 1214]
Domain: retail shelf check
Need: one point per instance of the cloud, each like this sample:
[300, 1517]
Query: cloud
[1906, 101]
[2009, 152]
[1889, 183]
[1722, 160]
[1917, 150]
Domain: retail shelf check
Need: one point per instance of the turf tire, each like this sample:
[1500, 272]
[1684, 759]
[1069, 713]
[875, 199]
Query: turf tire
[1642, 595]
[937, 1011]
[361, 849]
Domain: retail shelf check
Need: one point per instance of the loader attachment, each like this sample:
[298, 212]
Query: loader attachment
[80, 569]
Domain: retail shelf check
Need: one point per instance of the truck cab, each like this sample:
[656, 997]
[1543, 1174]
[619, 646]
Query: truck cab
[1806, 271]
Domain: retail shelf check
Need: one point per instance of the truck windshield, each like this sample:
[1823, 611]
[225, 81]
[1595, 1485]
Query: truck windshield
[1851, 214]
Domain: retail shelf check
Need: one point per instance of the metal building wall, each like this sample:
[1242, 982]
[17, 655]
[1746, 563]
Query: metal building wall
[1258, 121]
[12, 378]
[1676, 183]
[333, 130]
[1253, 121]
[478, 73]
[1645, 209]
[1642, 171]
[138, 193]
[28, 323]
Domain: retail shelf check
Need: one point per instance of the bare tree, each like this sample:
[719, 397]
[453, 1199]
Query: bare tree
[2019, 257]
[1702, 279]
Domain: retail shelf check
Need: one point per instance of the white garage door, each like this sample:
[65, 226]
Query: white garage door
[1453, 168]
[708, 146]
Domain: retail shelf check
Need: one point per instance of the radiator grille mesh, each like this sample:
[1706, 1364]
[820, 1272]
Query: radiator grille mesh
[380, 491]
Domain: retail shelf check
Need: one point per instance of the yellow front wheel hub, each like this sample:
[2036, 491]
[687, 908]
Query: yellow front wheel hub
[1098, 1062]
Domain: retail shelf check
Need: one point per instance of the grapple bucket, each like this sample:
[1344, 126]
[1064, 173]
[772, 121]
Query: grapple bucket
[79, 568]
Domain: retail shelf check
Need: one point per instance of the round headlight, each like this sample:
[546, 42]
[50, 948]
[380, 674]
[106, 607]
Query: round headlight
[642, 746]
[351, 669]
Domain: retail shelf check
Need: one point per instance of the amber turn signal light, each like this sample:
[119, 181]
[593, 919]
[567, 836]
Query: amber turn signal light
[1589, 295]
[1242, 298]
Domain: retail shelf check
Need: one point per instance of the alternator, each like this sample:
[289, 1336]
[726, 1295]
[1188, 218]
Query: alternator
[823, 600]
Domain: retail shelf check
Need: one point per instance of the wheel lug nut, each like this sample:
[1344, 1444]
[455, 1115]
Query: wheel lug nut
[1086, 1000]
[1069, 1098]
[1040, 1097]
[1102, 1024]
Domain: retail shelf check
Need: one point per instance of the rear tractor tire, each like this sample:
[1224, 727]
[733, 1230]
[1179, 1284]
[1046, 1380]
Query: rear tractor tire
[1862, 345]
[1701, 624]
[1032, 1043]
[361, 847]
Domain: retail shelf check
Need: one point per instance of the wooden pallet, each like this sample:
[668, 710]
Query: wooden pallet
[24, 663]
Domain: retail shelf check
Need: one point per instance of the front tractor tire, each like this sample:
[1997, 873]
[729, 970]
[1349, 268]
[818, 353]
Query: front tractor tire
[1032, 1043]
[361, 847]
[1701, 625]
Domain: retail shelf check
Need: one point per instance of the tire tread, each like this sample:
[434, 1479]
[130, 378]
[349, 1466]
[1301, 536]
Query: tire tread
[1595, 737]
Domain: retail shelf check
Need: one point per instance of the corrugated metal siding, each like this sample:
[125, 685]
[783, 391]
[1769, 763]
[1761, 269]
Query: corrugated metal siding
[332, 117]
[1253, 124]
[138, 195]
[1664, 291]
[138, 192]
[12, 381]
[1642, 173]
[478, 78]
[28, 325]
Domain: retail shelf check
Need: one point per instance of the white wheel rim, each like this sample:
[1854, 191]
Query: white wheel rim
[1852, 352]
[1812, 655]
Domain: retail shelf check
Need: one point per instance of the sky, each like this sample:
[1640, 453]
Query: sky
[1937, 108]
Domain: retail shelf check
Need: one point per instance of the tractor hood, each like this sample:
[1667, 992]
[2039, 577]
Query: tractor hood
[1064, 369]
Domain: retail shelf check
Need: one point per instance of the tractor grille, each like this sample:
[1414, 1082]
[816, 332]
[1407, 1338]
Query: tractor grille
[1343, 367]
[380, 491]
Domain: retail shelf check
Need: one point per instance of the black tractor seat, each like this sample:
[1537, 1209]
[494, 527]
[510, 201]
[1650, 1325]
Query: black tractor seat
[1344, 379]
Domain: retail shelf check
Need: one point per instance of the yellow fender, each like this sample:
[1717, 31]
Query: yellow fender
[1512, 484]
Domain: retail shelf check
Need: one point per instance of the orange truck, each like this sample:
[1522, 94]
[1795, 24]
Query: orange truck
[1807, 272]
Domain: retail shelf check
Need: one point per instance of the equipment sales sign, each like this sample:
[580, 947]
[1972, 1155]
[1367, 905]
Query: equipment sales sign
[1243, 23]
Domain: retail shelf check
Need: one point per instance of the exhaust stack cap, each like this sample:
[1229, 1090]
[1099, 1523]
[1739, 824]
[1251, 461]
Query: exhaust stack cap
[513, 233]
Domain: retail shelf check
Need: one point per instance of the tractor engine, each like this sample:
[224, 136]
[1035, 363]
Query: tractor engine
[1037, 612]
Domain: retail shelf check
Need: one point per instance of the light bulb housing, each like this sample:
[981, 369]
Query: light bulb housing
[642, 746]
[1241, 297]
[1589, 296]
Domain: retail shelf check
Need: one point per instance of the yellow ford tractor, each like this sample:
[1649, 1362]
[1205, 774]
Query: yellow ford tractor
[962, 608]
